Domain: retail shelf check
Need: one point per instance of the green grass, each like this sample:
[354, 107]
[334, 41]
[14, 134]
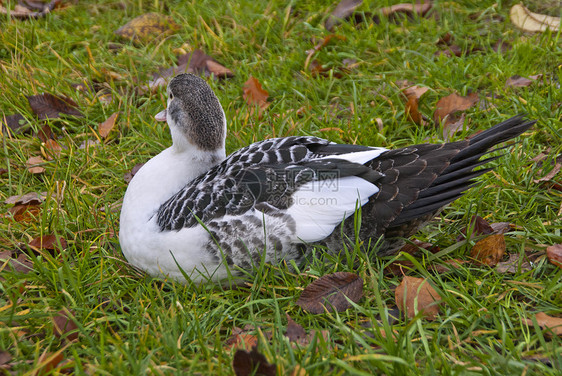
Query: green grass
[132, 324]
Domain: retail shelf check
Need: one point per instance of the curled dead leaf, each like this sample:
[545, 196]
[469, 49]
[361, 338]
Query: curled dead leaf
[31, 198]
[34, 165]
[490, 250]
[295, 332]
[241, 338]
[24, 212]
[452, 103]
[106, 127]
[255, 95]
[343, 10]
[518, 81]
[553, 324]
[129, 175]
[415, 295]
[554, 254]
[48, 242]
[50, 106]
[331, 292]
[64, 325]
[413, 95]
[247, 363]
[526, 20]
[514, 264]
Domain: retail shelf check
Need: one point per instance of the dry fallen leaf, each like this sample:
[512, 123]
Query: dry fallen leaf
[50, 106]
[413, 94]
[241, 338]
[106, 127]
[408, 9]
[47, 362]
[415, 295]
[255, 95]
[554, 254]
[21, 264]
[147, 27]
[64, 325]
[129, 175]
[331, 292]
[553, 324]
[489, 250]
[53, 149]
[295, 332]
[31, 198]
[526, 20]
[15, 123]
[518, 81]
[343, 10]
[48, 242]
[447, 106]
[22, 13]
[478, 226]
[24, 213]
[33, 165]
[512, 264]
[252, 363]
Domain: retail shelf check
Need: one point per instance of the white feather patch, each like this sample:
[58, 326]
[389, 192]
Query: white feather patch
[319, 206]
[360, 156]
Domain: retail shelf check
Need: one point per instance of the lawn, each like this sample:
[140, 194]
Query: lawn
[72, 304]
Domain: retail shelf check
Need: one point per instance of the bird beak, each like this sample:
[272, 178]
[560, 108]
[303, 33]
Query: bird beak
[161, 116]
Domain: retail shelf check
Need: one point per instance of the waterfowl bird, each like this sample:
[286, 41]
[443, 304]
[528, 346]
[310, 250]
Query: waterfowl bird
[191, 212]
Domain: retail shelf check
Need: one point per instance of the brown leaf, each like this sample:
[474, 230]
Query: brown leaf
[147, 27]
[452, 50]
[33, 165]
[23, 13]
[518, 81]
[343, 10]
[501, 227]
[551, 174]
[106, 127]
[252, 363]
[295, 332]
[129, 175]
[478, 226]
[417, 295]
[501, 46]
[452, 125]
[31, 198]
[526, 20]
[240, 338]
[416, 245]
[413, 94]
[24, 213]
[53, 149]
[64, 325]
[45, 133]
[408, 9]
[512, 265]
[48, 361]
[554, 254]
[553, 324]
[21, 264]
[48, 242]
[49, 106]
[489, 250]
[330, 292]
[14, 122]
[255, 95]
[5, 358]
[451, 104]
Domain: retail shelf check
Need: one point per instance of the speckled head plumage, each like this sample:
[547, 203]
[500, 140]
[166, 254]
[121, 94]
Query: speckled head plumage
[195, 111]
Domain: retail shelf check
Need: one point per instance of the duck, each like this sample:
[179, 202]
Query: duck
[192, 214]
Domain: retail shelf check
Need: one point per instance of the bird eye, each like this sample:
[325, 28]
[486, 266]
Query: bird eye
[171, 96]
